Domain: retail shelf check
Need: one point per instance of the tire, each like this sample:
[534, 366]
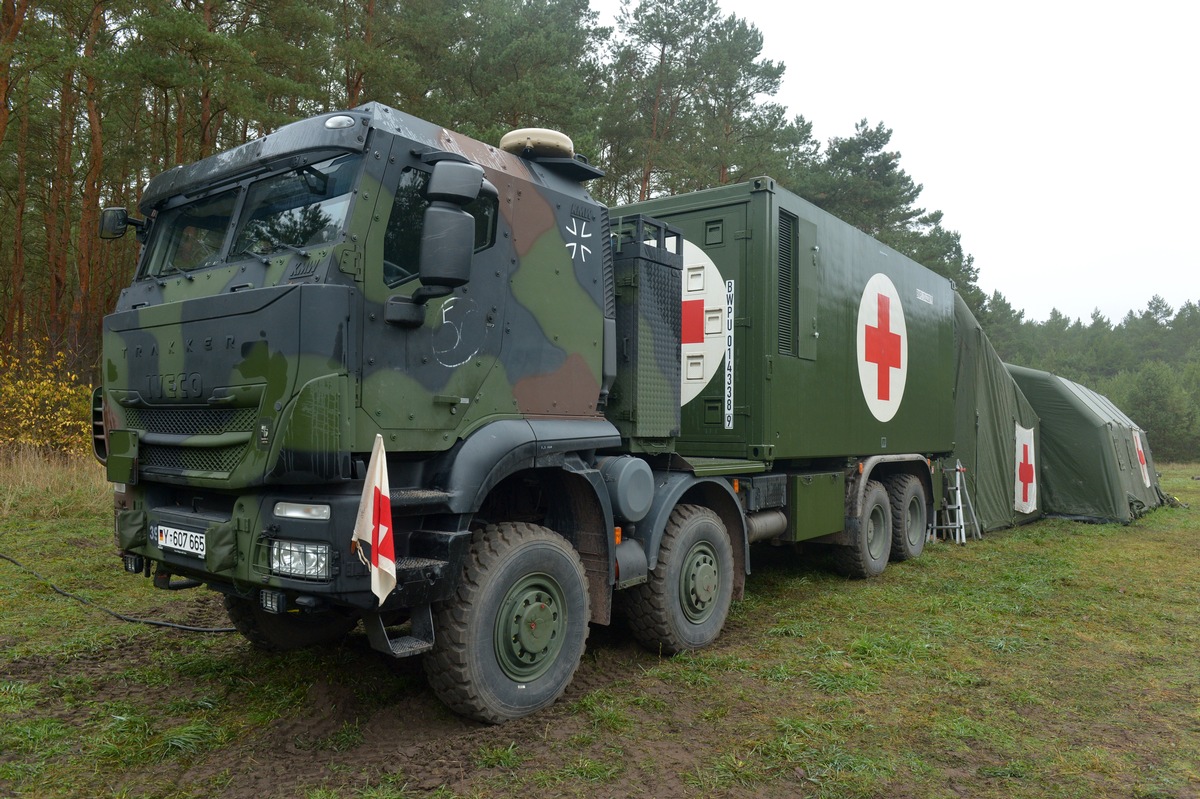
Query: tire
[868, 555]
[909, 516]
[684, 603]
[509, 640]
[281, 632]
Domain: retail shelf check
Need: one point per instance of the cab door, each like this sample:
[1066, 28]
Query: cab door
[422, 381]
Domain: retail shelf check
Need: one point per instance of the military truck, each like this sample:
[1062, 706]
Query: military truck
[585, 412]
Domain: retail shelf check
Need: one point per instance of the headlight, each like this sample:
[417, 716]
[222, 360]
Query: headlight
[300, 559]
[300, 510]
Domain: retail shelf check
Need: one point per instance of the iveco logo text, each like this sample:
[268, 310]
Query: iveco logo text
[207, 344]
[184, 385]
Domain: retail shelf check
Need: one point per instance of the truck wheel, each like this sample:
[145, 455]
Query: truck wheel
[280, 632]
[509, 640]
[684, 603]
[868, 555]
[909, 518]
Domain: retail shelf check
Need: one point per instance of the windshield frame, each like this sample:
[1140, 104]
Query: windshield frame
[340, 173]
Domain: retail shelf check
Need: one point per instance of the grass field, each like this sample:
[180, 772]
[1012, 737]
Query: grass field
[1052, 660]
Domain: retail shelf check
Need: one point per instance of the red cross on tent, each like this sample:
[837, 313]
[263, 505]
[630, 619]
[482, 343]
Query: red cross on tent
[1141, 453]
[883, 347]
[1025, 473]
[1025, 477]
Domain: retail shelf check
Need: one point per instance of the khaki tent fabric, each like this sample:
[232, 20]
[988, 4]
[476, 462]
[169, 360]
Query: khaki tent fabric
[988, 408]
[1095, 462]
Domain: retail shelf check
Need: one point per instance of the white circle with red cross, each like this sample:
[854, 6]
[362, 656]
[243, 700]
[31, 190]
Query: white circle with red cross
[882, 347]
[703, 328]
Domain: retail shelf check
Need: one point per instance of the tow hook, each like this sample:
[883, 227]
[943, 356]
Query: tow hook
[162, 579]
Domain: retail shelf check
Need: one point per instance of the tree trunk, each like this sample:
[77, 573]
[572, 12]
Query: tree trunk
[88, 299]
[59, 212]
[12, 15]
[14, 321]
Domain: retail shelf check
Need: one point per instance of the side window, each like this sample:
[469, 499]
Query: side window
[402, 239]
[484, 209]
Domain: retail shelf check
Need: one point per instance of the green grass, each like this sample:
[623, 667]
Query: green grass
[1052, 660]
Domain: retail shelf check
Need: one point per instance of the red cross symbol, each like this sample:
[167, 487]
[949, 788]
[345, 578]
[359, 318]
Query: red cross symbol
[1141, 454]
[693, 322]
[883, 347]
[1025, 473]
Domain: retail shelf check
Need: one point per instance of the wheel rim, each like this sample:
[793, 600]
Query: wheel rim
[699, 583]
[915, 523]
[530, 627]
[878, 532]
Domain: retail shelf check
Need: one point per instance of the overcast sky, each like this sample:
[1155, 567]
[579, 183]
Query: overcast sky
[1059, 137]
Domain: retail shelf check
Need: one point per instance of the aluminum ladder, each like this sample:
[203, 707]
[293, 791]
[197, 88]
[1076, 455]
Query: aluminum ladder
[954, 520]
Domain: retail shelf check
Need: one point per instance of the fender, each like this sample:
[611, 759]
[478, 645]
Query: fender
[670, 488]
[856, 489]
[868, 470]
[502, 448]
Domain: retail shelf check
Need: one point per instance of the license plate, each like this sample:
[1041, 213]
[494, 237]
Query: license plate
[181, 540]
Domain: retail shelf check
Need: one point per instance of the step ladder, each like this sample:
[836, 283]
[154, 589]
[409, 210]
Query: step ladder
[958, 504]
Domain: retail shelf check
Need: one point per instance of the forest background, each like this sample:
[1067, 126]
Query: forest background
[97, 96]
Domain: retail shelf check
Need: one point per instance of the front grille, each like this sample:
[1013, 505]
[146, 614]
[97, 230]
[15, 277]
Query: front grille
[193, 459]
[191, 421]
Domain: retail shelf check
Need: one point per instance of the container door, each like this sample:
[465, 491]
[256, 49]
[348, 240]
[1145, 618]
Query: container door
[716, 393]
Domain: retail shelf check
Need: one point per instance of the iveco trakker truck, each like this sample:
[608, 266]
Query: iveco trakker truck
[584, 410]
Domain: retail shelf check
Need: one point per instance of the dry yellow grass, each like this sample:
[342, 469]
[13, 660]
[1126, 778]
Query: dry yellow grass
[36, 485]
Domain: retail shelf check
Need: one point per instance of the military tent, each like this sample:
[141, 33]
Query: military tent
[995, 431]
[1095, 462]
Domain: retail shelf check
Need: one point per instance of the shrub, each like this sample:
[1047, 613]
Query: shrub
[43, 404]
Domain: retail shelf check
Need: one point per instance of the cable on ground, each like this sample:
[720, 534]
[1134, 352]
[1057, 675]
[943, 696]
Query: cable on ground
[113, 613]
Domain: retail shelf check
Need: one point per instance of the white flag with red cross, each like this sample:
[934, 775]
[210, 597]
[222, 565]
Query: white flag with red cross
[1141, 456]
[1025, 485]
[374, 525]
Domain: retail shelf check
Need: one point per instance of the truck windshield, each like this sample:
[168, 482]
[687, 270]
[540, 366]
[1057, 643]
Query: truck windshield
[301, 208]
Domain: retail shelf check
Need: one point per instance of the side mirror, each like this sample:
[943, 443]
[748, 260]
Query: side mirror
[447, 244]
[113, 223]
[447, 240]
[454, 182]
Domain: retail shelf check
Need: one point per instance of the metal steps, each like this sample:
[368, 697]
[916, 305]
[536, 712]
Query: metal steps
[419, 640]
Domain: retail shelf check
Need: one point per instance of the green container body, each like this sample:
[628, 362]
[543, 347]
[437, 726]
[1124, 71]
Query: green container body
[798, 278]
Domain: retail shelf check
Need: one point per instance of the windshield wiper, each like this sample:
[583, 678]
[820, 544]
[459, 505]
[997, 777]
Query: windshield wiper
[262, 259]
[173, 269]
[283, 245]
[274, 242]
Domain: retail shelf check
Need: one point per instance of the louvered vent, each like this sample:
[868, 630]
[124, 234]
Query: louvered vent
[787, 284]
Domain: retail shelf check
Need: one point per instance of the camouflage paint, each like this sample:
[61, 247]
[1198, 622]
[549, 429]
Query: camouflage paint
[239, 380]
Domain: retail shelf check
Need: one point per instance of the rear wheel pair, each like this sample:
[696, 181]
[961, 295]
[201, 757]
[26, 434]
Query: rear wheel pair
[892, 525]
